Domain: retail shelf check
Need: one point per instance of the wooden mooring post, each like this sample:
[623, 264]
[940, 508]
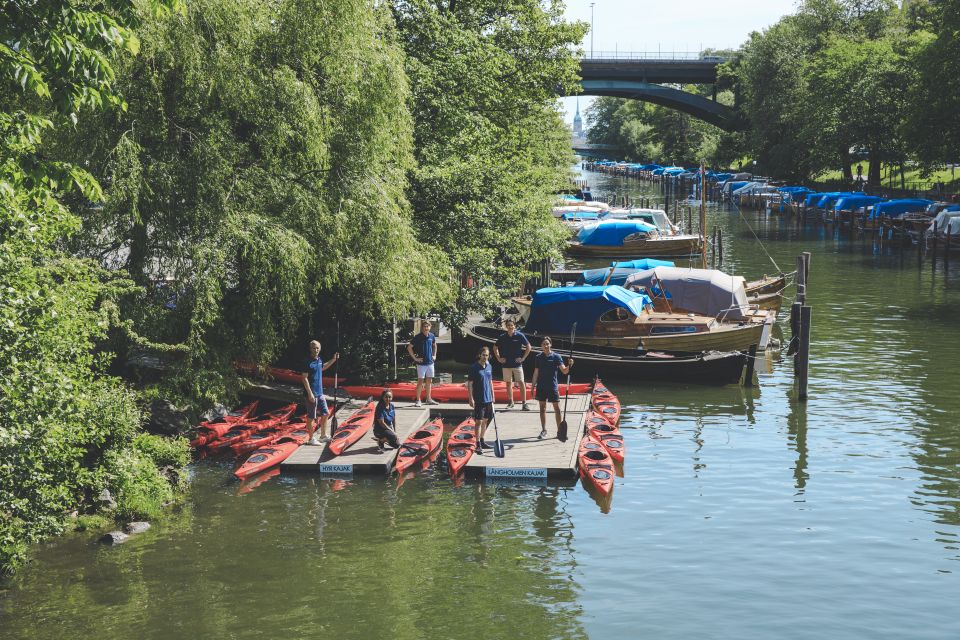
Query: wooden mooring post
[800, 320]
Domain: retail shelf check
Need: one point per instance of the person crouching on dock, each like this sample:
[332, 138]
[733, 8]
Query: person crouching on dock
[385, 421]
[547, 387]
[423, 349]
[480, 394]
[317, 410]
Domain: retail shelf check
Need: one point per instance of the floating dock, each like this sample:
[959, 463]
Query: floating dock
[526, 457]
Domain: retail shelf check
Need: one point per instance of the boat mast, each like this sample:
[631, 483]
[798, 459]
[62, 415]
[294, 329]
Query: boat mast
[703, 213]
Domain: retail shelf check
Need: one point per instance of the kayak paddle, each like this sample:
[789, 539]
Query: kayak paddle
[498, 449]
[562, 429]
[336, 383]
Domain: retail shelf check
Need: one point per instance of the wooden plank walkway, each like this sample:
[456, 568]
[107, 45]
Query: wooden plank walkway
[526, 457]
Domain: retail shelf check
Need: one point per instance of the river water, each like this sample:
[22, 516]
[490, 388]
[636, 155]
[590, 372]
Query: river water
[742, 514]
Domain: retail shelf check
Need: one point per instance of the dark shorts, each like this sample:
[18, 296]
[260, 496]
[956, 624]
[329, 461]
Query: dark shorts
[483, 411]
[386, 434]
[548, 395]
[316, 409]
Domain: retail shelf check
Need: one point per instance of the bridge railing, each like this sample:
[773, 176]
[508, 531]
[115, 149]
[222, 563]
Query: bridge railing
[664, 56]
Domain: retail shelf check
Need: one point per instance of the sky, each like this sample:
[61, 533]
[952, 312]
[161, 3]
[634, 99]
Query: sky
[680, 25]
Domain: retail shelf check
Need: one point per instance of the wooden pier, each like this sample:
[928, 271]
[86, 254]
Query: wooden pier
[527, 458]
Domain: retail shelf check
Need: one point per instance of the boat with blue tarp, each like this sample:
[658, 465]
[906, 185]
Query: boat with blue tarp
[631, 238]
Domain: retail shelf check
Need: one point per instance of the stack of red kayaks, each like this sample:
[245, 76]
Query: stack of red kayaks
[460, 445]
[596, 465]
[606, 434]
[450, 392]
[209, 430]
[265, 437]
[419, 445]
[605, 403]
[240, 432]
[269, 456]
[352, 429]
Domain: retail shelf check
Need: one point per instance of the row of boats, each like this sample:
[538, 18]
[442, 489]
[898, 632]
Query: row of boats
[270, 438]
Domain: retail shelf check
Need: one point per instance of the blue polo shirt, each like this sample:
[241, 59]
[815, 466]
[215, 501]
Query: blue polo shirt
[549, 367]
[482, 379]
[511, 348]
[314, 371]
[423, 346]
[386, 413]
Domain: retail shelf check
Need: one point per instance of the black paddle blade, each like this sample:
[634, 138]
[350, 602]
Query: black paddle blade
[562, 431]
[498, 449]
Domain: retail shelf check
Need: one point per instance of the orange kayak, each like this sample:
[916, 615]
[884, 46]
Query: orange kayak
[596, 465]
[606, 434]
[352, 429]
[460, 445]
[419, 445]
[265, 437]
[212, 429]
[450, 392]
[605, 403]
[271, 455]
[243, 430]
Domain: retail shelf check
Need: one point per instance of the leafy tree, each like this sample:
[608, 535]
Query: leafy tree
[489, 141]
[63, 425]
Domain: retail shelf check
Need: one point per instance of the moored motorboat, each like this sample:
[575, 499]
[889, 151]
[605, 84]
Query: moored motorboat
[460, 445]
[631, 239]
[595, 465]
[352, 429]
[419, 445]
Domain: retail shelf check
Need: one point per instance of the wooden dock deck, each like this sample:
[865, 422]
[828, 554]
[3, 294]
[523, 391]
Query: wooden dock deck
[526, 457]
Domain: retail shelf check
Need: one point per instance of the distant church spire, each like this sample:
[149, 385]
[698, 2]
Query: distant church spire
[578, 122]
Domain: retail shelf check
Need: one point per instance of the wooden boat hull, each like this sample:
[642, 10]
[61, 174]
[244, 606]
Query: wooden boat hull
[664, 247]
[725, 338]
[711, 368]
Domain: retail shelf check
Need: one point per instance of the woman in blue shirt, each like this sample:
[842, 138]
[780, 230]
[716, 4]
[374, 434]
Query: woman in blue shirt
[546, 386]
[385, 421]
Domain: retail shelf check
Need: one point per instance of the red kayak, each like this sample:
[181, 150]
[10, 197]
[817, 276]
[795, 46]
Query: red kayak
[212, 429]
[596, 466]
[246, 368]
[265, 437]
[243, 430]
[449, 392]
[460, 445]
[272, 455]
[352, 429]
[606, 434]
[419, 445]
[605, 403]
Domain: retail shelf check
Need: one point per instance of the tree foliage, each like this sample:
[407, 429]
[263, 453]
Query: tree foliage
[62, 423]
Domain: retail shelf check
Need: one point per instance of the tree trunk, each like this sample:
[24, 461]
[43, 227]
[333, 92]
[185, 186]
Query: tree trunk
[873, 177]
[845, 163]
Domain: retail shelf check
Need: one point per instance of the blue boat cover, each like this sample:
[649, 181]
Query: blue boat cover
[621, 272]
[611, 234]
[896, 208]
[849, 203]
[555, 309]
[580, 215]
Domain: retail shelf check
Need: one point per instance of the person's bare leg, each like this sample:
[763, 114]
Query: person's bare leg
[310, 426]
[428, 382]
[556, 410]
[416, 392]
[543, 415]
[323, 426]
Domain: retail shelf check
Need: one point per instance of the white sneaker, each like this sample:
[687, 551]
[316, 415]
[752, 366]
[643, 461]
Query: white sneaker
[510, 406]
[325, 439]
[313, 441]
[417, 404]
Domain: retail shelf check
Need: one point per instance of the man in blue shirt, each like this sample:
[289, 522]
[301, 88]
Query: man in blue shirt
[313, 388]
[423, 349]
[510, 350]
[545, 383]
[480, 394]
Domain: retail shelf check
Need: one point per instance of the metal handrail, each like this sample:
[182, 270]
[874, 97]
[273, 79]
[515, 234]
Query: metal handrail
[665, 56]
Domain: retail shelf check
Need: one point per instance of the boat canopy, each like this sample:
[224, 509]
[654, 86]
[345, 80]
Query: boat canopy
[580, 215]
[943, 220]
[612, 234]
[622, 270]
[656, 217]
[852, 203]
[705, 291]
[827, 200]
[555, 309]
[896, 208]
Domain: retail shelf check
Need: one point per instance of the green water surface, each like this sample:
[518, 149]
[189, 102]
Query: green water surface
[743, 513]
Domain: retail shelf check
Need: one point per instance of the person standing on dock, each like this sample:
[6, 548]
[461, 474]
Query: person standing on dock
[510, 350]
[545, 383]
[384, 422]
[423, 349]
[480, 394]
[317, 410]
